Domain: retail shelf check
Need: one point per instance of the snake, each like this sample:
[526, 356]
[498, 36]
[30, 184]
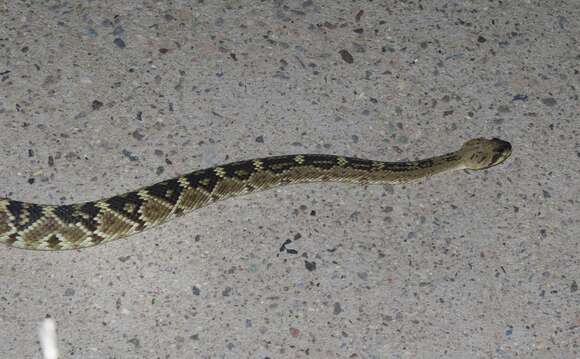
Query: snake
[79, 225]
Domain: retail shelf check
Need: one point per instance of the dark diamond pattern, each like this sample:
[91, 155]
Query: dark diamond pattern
[168, 190]
[205, 179]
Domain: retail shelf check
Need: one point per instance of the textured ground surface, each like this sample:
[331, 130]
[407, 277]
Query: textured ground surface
[97, 98]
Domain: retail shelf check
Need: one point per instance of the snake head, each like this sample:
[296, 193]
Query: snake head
[482, 153]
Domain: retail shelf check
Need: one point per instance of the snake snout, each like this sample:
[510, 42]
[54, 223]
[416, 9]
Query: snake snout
[503, 150]
[503, 146]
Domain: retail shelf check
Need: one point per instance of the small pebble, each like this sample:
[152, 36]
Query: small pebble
[96, 105]
[346, 56]
[129, 155]
[120, 43]
[509, 330]
[311, 266]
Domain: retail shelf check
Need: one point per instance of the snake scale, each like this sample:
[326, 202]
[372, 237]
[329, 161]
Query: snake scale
[79, 225]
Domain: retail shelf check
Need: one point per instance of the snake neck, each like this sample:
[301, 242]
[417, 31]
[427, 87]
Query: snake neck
[420, 169]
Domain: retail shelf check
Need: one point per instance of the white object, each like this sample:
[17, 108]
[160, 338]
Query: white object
[47, 335]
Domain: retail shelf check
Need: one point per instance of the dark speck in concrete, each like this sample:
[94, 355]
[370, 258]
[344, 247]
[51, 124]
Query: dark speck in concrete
[549, 101]
[346, 56]
[227, 291]
[311, 266]
[129, 155]
[195, 290]
[337, 308]
[260, 139]
[96, 105]
[509, 331]
[119, 43]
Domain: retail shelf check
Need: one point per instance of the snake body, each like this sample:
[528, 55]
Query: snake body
[79, 225]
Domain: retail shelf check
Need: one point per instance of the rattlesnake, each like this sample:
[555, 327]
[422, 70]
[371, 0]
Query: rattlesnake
[79, 225]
